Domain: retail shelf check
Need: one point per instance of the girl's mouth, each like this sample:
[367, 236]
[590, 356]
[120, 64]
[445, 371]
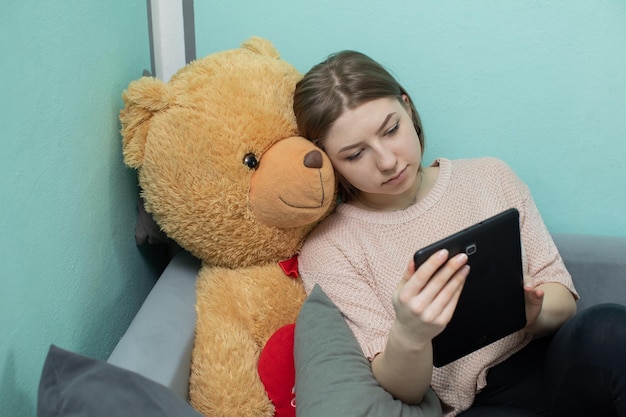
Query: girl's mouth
[396, 178]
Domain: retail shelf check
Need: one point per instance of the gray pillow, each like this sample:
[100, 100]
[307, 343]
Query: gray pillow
[73, 385]
[333, 377]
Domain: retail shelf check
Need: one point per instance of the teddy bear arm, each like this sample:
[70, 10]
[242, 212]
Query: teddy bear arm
[224, 380]
[237, 312]
[286, 295]
[262, 298]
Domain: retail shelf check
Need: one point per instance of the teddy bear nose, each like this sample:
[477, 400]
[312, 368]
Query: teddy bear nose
[313, 159]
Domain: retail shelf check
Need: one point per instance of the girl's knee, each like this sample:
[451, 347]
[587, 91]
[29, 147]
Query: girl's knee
[602, 317]
[598, 330]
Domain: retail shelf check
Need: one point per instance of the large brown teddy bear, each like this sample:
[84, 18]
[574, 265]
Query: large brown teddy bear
[225, 174]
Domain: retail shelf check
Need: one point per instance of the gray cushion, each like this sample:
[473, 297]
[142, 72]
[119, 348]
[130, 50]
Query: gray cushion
[73, 385]
[333, 377]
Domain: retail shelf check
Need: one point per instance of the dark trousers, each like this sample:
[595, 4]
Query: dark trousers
[579, 371]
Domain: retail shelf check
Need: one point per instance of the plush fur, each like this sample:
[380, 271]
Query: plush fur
[194, 141]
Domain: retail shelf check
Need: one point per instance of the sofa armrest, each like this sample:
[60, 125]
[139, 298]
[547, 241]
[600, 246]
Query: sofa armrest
[159, 340]
[597, 265]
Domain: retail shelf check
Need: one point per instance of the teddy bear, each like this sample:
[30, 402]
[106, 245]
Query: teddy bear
[225, 174]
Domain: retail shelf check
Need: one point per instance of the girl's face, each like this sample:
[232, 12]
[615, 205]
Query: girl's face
[376, 149]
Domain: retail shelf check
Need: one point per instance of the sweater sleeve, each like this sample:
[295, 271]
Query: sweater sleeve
[542, 261]
[337, 273]
[362, 313]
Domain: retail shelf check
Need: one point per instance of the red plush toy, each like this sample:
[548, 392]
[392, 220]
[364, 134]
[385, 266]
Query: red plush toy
[277, 371]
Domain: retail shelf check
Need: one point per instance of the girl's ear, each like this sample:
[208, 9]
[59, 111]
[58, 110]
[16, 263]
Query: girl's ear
[406, 101]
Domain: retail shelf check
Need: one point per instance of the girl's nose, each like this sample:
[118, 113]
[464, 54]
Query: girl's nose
[386, 159]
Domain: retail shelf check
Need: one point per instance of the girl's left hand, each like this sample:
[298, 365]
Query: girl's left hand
[534, 302]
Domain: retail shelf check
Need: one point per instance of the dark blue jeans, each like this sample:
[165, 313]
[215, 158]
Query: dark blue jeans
[580, 371]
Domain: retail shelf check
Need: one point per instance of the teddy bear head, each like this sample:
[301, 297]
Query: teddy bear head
[220, 163]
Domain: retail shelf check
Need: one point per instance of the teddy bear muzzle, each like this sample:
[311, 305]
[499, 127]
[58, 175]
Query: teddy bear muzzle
[294, 184]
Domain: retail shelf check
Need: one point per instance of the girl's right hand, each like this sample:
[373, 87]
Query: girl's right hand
[426, 298]
[424, 302]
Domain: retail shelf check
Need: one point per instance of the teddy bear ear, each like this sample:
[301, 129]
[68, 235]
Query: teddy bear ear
[142, 99]
[261, 46]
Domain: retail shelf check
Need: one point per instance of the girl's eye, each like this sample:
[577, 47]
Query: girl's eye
[393, 130]
[355, 156]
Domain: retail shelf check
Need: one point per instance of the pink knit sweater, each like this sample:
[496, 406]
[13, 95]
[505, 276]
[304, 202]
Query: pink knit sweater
[358, 256]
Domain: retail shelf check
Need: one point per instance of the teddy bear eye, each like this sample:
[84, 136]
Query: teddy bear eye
[251, 161]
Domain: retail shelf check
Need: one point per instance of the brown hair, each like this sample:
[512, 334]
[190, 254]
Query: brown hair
[343, 81]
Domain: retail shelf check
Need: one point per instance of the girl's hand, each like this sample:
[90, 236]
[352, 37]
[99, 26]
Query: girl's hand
[426, 298]
[424, 302]
[548, 306]
[534, 303]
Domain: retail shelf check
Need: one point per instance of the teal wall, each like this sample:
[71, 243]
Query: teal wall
[540, 84]
[70, 273]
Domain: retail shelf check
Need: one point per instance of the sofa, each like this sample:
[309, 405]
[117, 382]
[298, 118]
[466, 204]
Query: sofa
[159, 340]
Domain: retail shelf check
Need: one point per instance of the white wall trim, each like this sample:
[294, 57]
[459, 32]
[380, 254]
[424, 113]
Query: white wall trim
[171, 26]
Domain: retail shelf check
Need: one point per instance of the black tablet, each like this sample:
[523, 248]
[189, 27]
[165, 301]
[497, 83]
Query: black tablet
[491, 304]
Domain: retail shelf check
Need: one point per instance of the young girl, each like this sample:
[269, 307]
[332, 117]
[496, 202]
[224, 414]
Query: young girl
[391, 205]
